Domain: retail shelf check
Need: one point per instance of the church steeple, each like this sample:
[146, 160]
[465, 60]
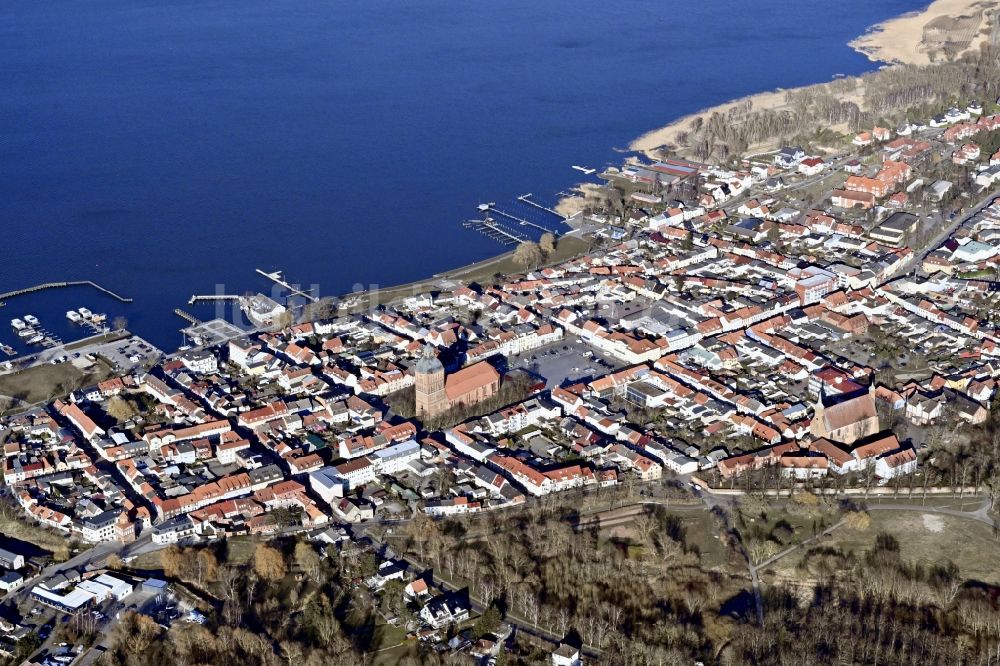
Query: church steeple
[428, 377]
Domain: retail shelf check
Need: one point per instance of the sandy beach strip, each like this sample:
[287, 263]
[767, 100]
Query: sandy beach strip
[898, 40]
[901, 40]
[669, 134]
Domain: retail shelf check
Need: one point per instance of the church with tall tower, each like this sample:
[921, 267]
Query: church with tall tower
[436, 392]
[429, 383]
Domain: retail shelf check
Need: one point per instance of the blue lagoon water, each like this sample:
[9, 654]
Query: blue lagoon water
[162, 147]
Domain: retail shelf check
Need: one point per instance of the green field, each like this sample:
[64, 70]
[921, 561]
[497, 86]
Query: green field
[483, 271]
[392, 645]
[14, 525]
[701, 531]
[43, 382]
[923, 537]
[97, 339]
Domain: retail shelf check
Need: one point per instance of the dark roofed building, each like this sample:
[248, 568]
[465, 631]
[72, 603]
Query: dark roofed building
[845, 418]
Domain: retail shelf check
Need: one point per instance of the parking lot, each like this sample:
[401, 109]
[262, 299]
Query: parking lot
[567, 361]
[124, 355]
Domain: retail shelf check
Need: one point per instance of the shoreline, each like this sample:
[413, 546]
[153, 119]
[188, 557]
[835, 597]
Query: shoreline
[669, 134]
[892, 42]
[896, 41]
[925, 36]
[568, 246]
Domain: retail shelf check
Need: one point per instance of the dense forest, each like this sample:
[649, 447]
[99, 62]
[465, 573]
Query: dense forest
[643, 596]
[874, 608]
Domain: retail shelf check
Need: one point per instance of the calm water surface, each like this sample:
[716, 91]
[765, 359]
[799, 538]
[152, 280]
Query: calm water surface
[163, 147]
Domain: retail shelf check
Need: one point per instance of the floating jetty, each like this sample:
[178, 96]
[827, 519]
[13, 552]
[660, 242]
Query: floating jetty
[277, 279]
[56, 285]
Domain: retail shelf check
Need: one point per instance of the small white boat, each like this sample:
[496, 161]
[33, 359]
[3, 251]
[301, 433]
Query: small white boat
[25, 332]
[85, 313]
[31, 319]
[34, 340]
[99, 318]
[18, 324]
[73, 316]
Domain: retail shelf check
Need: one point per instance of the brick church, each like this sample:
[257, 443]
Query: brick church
[436, 392]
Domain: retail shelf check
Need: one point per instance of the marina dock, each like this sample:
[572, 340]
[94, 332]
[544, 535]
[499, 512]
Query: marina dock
[496, 231]
[492, 208]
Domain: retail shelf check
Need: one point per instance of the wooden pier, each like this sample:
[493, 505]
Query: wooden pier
[212, 297]
[277, 279]
[191, 319]
[526, 198]
[57, 285]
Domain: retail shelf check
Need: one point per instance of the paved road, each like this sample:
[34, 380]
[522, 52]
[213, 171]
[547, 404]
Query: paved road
[941, 236]
[981, 513]
[82, 561]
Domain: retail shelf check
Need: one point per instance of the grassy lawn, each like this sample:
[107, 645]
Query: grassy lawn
[923, 537]
[393, 655]
[832, 181]
[701, 531]
[43, 382]
[392, 645]
[240, 549]
[111, 336]
[803, 519]
[970, 503]
[149, 561]
[566, 248]
[769, 526]
[12, 525]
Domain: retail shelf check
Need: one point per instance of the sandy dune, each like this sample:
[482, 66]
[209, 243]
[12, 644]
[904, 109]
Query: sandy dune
[914, 38]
